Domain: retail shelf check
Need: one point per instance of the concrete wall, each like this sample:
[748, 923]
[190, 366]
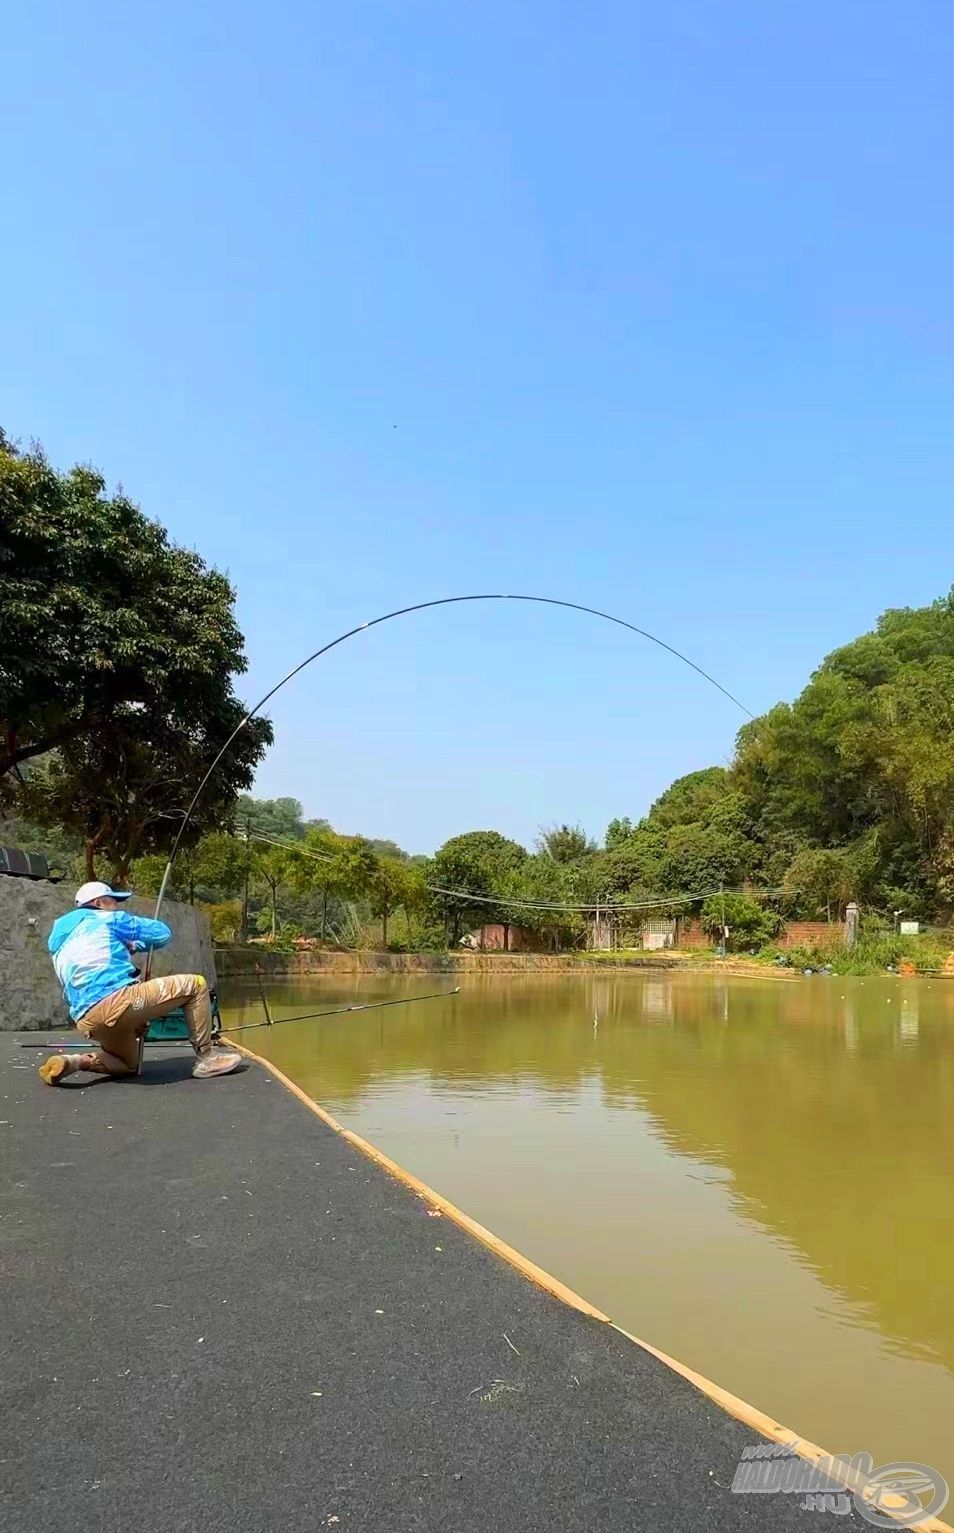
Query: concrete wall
[30, 996]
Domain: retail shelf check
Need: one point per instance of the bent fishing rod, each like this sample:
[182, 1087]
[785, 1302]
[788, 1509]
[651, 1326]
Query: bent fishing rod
[387, 617]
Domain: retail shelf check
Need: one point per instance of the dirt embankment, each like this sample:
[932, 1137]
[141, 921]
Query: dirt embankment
[236, 962]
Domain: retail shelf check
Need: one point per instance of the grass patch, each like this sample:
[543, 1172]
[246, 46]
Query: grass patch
[871, 955]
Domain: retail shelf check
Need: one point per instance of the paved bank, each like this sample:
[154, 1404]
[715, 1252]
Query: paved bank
[219, 1315]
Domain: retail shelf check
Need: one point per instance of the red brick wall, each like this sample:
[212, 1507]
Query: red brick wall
[521, 940]
[811, 934]
[795, 934]
[690, 934]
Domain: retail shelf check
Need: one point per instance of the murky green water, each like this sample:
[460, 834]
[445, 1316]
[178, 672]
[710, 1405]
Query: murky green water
[754, 1175]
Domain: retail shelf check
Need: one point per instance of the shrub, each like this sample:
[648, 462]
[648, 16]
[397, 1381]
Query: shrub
[873, 954]
[750, 925]
[225, 920]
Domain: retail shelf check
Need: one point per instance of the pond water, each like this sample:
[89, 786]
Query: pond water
[754, 1175]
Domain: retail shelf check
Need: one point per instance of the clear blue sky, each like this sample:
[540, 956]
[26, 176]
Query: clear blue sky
[645, 306]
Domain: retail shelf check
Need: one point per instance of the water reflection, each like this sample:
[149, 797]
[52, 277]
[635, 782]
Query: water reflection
[752, 1174]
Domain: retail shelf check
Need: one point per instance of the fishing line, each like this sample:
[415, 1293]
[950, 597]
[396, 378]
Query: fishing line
[337, 1011]
[245, 1027]
[387, 617]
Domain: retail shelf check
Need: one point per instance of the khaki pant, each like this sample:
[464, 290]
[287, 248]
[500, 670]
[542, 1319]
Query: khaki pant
[117, 1022]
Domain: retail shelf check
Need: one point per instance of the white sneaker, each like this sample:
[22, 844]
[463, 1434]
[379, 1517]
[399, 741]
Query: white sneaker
[217, 1062]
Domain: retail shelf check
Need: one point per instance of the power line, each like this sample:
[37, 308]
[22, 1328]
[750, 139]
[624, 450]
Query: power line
[605, 906]
[600, 906]
[288, 846]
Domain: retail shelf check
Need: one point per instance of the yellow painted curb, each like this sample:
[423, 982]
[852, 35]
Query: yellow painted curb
[749, 1415]
[768, 1427]
[443, 1205]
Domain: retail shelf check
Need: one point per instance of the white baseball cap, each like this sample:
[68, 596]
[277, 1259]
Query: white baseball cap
[87, 893]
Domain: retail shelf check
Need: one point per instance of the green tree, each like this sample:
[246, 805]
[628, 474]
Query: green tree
[100, 611]
[476, 863]
[214, 869]
[393, 884]
[124, 787]
[702, 856]
[271, 866]
[617, 832]
[689, 799]
[750, 925]
[821, 879]
[387, 848]
[339, 868]
[565, 843]
[863, 758]
[637, 862]
[225, 920]
[695, 837]
[278, 817]
[218, 864]
[540, 881]
[62, 850]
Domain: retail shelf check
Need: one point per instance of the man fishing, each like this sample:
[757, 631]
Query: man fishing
[109, 1002]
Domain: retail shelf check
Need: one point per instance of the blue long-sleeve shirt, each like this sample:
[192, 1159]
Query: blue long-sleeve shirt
[91, 949]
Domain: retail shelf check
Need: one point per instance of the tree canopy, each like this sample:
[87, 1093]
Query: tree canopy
[98, 609]
[479, 862]
[565, 843]
[863, 761]
[118, 654]
[123, 787]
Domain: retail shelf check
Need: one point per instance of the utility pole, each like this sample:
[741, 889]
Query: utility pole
[248, 854]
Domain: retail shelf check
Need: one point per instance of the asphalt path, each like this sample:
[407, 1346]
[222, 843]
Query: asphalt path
[219, 1315]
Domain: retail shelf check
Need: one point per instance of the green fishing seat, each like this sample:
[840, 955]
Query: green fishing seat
[173, 1026]
[168, 1028]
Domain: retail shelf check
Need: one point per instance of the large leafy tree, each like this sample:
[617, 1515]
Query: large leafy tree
[394, 884]
[822, 880]
[689, 799]
[694, 839]
[479, 862]
[541, 882]
[215, 867]
[123, 787]
[863, 760]
[339, 868]
[565, 843]
[278, 817]
[271, 867]
[617, 832]
[99, 611]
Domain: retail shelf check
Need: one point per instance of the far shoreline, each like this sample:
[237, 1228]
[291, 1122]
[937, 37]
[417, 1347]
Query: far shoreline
[242, 963]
